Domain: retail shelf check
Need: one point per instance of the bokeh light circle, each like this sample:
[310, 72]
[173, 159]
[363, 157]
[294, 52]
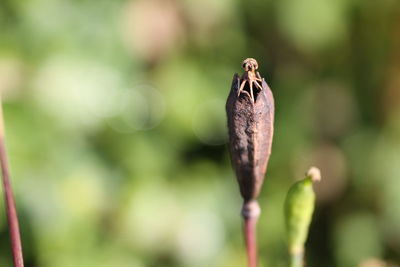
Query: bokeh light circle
[209, 122]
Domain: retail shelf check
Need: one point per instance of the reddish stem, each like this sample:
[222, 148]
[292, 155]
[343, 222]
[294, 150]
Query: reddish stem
[9, 201]
[251, 241]
[250, 213]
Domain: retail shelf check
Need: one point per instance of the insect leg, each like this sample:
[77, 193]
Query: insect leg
[258, 85]
[241, 87]
[251, 90]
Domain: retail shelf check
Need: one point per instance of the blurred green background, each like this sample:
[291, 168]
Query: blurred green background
[116, 128]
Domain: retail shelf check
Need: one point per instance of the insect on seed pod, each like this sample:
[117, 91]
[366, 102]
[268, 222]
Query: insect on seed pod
[250, 111]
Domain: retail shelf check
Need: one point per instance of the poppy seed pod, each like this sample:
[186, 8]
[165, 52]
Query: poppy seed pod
[250, 111]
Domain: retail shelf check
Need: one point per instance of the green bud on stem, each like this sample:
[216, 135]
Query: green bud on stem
[299, 208]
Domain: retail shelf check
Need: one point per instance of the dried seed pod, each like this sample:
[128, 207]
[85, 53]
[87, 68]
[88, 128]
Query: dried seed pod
[250, 111]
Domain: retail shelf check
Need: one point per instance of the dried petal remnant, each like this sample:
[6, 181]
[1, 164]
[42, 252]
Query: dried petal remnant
[250, 111]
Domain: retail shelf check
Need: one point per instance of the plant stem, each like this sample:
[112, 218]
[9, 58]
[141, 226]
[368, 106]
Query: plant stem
[250, 213]
[296, 260]
[251, 243]
[9, 200]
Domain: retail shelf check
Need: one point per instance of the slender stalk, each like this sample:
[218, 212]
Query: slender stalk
[296, 260]
[250, 214]
[11, 211]
[251, 242]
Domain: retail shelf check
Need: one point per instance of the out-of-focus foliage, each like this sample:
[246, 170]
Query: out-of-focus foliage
[116, 128]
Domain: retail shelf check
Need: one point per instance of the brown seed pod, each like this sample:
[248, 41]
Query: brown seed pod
[250, 111]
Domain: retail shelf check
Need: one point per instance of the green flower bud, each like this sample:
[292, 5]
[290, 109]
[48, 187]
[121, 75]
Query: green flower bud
[299, 208]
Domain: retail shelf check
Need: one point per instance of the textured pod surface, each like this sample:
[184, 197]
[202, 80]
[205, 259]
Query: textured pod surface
[250, 126]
